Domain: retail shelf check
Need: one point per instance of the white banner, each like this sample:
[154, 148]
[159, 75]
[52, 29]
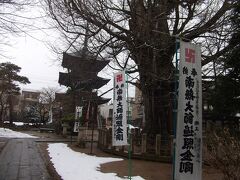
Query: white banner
[78, 112]
[188, 152]
[119, 123]
[78, 115]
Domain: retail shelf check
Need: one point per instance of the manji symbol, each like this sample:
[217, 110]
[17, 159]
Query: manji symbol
[119, 78]
[190, 55]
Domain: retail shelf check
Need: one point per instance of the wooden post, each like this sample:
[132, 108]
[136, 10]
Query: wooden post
[94, 120]
[99, 137]
[158, 144]
[105, 139]
[171, 137]
[144, 143]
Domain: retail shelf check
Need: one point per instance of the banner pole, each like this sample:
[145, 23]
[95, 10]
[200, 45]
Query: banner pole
[129, 134]
[175, 107]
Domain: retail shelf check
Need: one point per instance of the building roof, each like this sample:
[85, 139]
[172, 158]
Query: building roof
[94, 82]
[85, 96]
[31, 91]
[83, 62]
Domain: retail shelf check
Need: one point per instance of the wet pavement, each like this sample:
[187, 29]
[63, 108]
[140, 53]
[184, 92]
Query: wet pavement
[20, 160]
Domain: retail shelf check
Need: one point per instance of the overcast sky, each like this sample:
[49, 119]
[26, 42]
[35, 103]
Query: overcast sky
[31, 52]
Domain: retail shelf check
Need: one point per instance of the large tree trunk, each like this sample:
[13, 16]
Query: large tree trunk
[156, 85]
[158, 111]
[153, 51]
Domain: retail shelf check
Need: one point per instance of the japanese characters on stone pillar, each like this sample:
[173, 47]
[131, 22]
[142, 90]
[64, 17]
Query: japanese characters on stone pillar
[78, 115]
[119, 123]
[188, 156]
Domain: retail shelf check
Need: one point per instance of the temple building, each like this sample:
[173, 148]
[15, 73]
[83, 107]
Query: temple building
[82, 81]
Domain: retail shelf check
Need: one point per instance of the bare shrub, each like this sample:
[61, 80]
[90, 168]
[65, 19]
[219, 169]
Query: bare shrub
[223, 152]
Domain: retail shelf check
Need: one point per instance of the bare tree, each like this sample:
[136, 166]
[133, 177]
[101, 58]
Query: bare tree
[145, 32]
[15, 20]
[46, 103]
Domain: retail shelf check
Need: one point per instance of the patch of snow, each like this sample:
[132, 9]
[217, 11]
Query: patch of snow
[72, 165]
[18, 123]
[8, 133]
[131, 126]
[15, 123]
[22, 123]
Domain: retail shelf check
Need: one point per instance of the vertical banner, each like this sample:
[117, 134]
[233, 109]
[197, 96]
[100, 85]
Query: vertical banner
[78, 115]
[188, 152]
[119, 123]
[78, 112]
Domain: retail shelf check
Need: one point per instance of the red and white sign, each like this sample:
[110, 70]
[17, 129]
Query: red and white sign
[119, 123]
[188, 151]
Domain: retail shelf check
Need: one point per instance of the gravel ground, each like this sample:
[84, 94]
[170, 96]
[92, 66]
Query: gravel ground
[50, 168]
[3, 142]
[146, 169]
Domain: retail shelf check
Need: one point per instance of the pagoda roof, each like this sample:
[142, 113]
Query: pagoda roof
[78, 94]
[94, 98]
[68, 79]
[101, 100]
[83, 61]
[81, 76]
[85, 96]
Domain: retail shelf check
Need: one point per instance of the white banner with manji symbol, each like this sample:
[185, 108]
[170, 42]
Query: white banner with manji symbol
[188, 152]
[119, 123]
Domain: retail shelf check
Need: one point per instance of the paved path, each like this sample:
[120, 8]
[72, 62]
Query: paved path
[21, 160]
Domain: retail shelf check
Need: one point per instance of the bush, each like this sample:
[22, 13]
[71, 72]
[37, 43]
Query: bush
[223, 152]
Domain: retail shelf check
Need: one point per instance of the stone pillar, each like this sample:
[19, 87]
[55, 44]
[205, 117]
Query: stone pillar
[144, 143]
[65, 126]
[81, 137]
[158, 144]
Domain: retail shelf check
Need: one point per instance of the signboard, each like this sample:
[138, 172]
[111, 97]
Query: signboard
[76, 126]
[119, 123]
[78, 114]
[188, 152]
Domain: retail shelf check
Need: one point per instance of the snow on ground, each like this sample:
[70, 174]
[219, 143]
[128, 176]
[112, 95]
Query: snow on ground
[8, 133]
[72, 165]
[15, 123]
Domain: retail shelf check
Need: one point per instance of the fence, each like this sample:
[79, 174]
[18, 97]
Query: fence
[158, 148]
